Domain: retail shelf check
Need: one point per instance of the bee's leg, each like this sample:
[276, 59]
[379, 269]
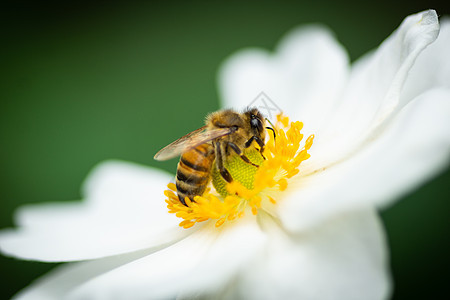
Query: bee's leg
[261, 150]
[259, 142]
[239, 152]
[219, 163]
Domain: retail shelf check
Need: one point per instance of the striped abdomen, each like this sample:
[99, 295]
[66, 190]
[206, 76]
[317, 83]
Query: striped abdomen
[193, 172]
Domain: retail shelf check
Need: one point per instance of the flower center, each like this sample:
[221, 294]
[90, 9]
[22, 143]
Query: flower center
[252, 188]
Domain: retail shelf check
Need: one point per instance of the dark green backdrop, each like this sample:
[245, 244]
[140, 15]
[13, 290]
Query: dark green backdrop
[84, 83]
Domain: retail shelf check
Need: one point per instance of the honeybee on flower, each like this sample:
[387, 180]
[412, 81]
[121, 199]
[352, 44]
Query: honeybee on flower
[303, 224]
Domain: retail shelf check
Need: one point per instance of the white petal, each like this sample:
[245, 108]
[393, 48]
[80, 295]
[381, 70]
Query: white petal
[432, 68]
[61, 280]
[124, 211]
[415, 147]
[304, 78]
[344, 258]
[374, 89]
[201, 263]
[123, 185]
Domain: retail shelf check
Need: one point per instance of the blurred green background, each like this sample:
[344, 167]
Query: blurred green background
[82, 83]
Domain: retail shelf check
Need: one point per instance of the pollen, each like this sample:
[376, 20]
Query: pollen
[253, 188]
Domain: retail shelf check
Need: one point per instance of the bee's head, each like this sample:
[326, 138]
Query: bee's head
[256, 120]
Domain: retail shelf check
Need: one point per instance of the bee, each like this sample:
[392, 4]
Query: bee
[225, 133]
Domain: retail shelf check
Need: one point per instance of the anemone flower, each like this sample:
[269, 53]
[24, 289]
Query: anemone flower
[301, 226]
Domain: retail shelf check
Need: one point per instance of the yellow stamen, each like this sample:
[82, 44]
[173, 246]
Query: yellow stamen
[272, 200]
[251, 186]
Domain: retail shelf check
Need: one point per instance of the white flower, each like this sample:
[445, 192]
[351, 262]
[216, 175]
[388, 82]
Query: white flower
[381, 129]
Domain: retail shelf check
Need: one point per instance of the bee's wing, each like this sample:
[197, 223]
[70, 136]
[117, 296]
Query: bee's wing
[189, 141]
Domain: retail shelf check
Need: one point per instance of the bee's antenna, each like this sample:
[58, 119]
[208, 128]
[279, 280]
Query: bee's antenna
[271, 128]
